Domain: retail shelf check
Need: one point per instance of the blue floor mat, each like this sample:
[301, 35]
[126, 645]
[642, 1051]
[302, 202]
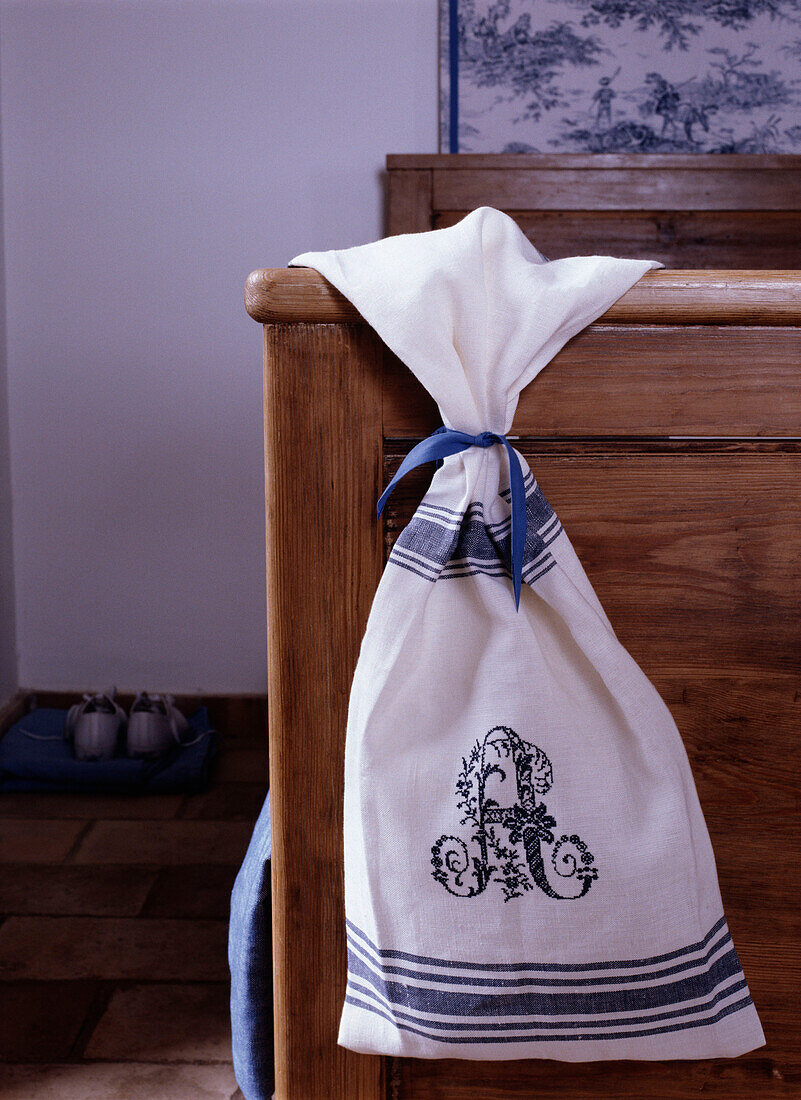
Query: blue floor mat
[30, 764]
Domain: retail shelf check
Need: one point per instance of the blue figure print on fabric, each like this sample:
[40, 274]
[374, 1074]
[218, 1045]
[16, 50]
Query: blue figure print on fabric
[606, 76]
[603, 99]
[512, 836]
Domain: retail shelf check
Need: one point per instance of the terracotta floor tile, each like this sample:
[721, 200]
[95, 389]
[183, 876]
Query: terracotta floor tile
[165, 1023]
[192, 892]
[73, 932]
[75, 891]
[117, 1081]
[164, 843]
[40, 806]
[41, 1020]
[242, 765]
[45, 948]
[37, 841]
[226, 802]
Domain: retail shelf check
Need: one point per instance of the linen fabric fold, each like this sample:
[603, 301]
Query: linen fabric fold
[528, 873]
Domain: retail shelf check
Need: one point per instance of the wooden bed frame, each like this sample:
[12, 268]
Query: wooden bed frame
[667, 436]
[687, 210]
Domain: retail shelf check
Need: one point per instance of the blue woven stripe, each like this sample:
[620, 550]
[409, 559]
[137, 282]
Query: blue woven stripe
[630, 998]
[399, 554]
[532, 1037]
[474, 546]
[412, 569]
[652, 960]
[384, 969]
[554, 1025]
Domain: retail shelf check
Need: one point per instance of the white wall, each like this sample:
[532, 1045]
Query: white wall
[155, 151]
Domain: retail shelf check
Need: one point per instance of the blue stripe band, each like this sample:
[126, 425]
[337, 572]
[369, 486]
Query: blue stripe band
[706, 1021]
[510, 983]
[652, 960]
[534, 1003]
[557, 1025]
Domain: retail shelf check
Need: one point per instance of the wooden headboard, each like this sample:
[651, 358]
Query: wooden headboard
[690, 211]
[667, 436]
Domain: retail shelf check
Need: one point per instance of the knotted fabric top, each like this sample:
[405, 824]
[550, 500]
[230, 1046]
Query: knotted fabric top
[474, 310]
[446, 442]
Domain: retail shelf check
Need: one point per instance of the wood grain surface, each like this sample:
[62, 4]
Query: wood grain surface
[684, 548]
[298, 294]
[756, 239]
[639, 380]
[409, 202]
[591, 1081]
[615, 189]
[323, 456]
[635, 162]
[688, 211]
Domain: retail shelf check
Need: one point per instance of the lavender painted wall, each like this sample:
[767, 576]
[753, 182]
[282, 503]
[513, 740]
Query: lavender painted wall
[154, 153]
[8, 655]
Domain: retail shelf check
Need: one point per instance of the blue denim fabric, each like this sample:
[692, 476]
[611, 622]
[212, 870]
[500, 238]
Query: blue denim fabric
[250, 961]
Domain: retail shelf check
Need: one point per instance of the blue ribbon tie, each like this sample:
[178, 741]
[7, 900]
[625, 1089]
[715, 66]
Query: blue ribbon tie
[447, 441]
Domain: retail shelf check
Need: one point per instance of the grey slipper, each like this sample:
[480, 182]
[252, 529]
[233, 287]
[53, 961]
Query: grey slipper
[155, 725]
[94, 726]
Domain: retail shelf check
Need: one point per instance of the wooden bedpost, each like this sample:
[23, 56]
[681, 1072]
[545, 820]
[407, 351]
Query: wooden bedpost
[322, 394]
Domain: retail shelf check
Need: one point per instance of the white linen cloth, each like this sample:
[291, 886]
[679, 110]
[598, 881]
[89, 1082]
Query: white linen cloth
[527, 868]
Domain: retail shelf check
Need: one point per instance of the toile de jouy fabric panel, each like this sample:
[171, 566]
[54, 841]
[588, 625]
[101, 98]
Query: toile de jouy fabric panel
[606, 76]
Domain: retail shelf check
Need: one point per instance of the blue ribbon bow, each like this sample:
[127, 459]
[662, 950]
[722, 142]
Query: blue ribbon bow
[447, 441]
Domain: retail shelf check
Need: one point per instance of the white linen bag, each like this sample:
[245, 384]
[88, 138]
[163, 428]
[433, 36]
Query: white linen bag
[527, 868]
